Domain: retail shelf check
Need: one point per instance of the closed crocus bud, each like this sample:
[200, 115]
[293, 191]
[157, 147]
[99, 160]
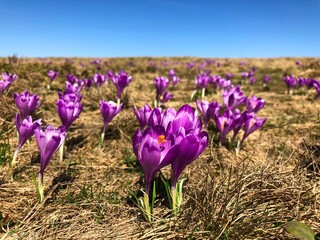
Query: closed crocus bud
[171, 74]
[266, 79]
[252, 80]
[154, 151]
[251, 124]
[161, 85]
[188, 119]
[229, 76]
[52, 75]
[190, 147]
[175, 80]
[290, 81]
[72, 79]
[4, 85]
[224, 124]
[166, 97]
[109, 110]
[244, 75]
[255, 104]
[143, 115]
[208, 110]
[9, 77]
[99, 79]
[233, 97]
[121, 81]
[26, 103]
[25, 128]
[68, 112]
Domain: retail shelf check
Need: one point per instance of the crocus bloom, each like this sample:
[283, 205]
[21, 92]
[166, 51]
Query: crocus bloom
[224, 124]
[251, 124]
[4, 85]
[175, 80]
[68, 112]
[52, 75]
[143, 115]
[166, 97]
[9, 77]
[154, 151]
[73, 88]
[201, 81]
[25, 128]
[290, 81]
[121, 81]
[109, 110]
[255, 104]
[229, 76]
[233, 97]
[250, 74]
[252, 80]
[190, 147]
[26, 103]
[266, 79]
[238, 122]
[161, 85]
[244, 75]
[316, 85]
[171, 74]
[72, 79]
[208, 110]
[70, 97]
[99, 79]
[190, 65]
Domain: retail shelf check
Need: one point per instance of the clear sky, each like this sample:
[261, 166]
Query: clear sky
[216, 28]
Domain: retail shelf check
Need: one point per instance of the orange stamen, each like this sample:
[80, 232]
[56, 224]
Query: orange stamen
[161, 139]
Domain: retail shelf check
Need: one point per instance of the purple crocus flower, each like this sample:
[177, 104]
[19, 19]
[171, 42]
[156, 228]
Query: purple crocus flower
[143, 114]
[121, 81]
[201, 81]
[49, 141]
[252, 80]
[52, 75]
[224, 84]
[208, 110]
[190, 65]
[190, 147]
[266, 79]
[244, 75]
[72, 79]
[109, 110]
[154, 151]
[166, 97]
[9, 77]
[25, 128]
[291, 82]
[316, 85]
[68, 112]
[4, 85]
[229, 76]
[99, 79]
[224, 124]
[255, 104]
[238, 122]
[161, 85]
[251, 124]
[26, 103]
[70, 97]
[171, 74]
[73, 88]
[175, 80]
[233, 97]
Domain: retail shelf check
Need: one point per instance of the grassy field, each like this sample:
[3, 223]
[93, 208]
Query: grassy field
[273, 180]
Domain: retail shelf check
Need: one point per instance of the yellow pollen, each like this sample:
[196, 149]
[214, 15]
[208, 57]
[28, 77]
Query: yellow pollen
[161, 139]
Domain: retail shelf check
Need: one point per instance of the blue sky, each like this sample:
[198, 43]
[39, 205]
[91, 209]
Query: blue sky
[216, 28]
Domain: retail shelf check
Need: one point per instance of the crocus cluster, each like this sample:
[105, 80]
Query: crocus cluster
[7, 80]
[228, 117]
[170, 138]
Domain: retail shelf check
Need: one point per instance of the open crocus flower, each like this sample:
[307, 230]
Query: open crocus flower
[171, 74]
[70, 97]
[154, 151]
[68, 112]
[202, 80]
[251, 124]
[9, 77]
[208, 110]
[49, 141]
[26, 103]
[73, 88]
[244, 75]
[72, 79]
[52, 75]
[175, 80]
[291, 82]
[108, 110]
[255, 104]
[233, 97]
[143, 114]
[121, 80]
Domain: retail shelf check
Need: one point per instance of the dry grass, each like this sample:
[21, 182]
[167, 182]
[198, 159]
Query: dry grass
[274, 179]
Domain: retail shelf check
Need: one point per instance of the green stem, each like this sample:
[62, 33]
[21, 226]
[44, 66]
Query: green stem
[40, 188]
[118, 102]
[61, 152]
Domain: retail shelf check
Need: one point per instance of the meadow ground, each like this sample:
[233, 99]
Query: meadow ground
[273, 180]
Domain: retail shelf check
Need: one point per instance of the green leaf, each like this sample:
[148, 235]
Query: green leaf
[300, 230]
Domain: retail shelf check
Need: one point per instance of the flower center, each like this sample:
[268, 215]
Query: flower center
[161, 139]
